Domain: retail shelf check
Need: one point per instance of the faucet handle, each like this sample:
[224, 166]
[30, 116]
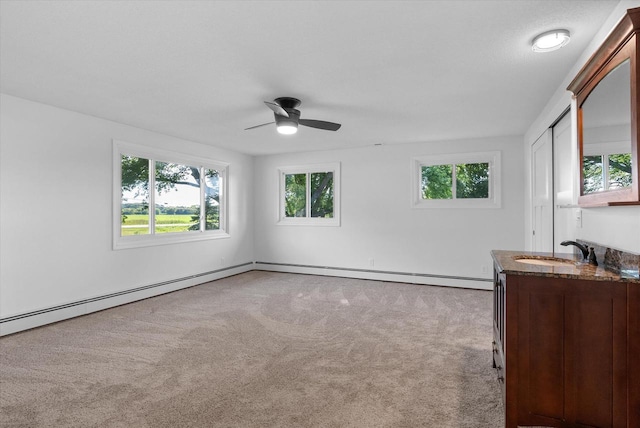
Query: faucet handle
[592, 257]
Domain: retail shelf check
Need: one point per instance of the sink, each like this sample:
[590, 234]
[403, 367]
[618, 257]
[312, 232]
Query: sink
[544, 261]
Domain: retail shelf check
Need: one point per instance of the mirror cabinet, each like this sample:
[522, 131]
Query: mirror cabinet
[607, 101]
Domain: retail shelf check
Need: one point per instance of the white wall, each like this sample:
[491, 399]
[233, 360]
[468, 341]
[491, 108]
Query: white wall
[56, 212]
[617, 227]
[378, 221]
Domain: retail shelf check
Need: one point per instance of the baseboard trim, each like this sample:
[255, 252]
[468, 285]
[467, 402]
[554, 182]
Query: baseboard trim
[380, 275]
[38, 318]
[29, 320]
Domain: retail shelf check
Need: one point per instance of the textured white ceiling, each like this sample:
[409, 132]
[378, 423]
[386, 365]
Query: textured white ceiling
[389, 71]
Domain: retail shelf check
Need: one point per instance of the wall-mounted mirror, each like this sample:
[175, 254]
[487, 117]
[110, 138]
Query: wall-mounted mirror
[606, 93]
[606, 133]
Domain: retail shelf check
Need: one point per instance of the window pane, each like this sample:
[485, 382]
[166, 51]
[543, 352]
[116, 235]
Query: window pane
[295, 195]
[593, 179]
[472, 180]
[322, 194]
[135, 196]
[619, 170]
[212, 199]
[177, 196]
[437, 182]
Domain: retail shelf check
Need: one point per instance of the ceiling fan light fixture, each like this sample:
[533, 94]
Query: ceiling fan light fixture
[287, 125]
[551, 40]
[287, 128]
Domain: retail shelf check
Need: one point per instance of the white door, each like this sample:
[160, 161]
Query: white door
[563, 178]
[542, 192]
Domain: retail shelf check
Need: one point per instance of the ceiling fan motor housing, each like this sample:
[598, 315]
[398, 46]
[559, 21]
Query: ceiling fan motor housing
[292, 120]
[287, 102]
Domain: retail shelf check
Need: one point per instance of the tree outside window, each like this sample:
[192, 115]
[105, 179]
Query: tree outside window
[471, 181]
[177, 199]
[319, 191]
[464, 180]
[160, 198]
[295, 195]
[309, 195]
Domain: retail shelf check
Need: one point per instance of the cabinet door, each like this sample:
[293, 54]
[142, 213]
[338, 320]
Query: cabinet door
[633, 358]
[541, 351]
[572, 344]
[596, 354]
[499, 292]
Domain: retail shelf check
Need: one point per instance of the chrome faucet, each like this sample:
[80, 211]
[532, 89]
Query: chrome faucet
[588, 254]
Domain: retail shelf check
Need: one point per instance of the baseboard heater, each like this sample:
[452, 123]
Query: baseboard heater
[119, 293]
[27, 320]
[377, 272]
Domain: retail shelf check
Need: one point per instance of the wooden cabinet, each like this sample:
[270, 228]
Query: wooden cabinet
[564, 350]
[633, 359]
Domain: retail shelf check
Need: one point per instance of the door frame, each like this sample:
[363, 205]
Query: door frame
[545, 138]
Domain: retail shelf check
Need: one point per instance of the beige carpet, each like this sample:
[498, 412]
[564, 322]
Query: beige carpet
[262, 349]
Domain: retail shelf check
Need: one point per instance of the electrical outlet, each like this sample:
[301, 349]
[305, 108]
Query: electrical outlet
[371, 262]
[221, 261]
[578, 218]
[485, 269]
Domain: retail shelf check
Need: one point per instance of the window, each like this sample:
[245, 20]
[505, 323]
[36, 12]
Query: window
[606, 161]
[606, 172]
[162, 197]
[466, 180]
[310, 195]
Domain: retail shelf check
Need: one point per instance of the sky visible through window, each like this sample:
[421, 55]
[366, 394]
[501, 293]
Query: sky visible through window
[182, 198]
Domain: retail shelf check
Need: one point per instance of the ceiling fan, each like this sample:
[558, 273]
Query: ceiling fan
[288, 118]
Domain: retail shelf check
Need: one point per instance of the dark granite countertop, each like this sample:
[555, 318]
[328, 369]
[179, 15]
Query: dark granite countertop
[506, 262]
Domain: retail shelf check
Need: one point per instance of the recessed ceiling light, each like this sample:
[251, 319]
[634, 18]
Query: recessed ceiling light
[551, 40]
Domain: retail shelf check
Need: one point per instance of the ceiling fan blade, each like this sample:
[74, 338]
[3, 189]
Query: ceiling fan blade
[320, 124]
[276, 108]
[258, 126]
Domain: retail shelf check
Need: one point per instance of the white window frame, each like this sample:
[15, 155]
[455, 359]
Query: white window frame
[121, 148]
[605, 149]
[333, 167]
[493, 158]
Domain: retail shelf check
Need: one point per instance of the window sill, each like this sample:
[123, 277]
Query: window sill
[123, 243]
[333, 222]
[457, 204]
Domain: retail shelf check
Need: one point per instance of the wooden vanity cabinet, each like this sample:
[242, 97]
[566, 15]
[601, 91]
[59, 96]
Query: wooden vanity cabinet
[633, 378]
[560, 347]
